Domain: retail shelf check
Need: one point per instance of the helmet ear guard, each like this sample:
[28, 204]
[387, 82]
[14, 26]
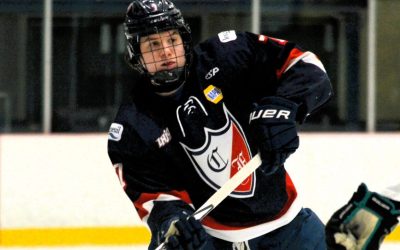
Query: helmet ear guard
[132, 57]
[145, 17]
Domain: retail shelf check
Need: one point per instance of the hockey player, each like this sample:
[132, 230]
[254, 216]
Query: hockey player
[197, 116]
[364, 222]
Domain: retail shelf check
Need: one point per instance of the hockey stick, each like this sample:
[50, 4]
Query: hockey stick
[224, 191]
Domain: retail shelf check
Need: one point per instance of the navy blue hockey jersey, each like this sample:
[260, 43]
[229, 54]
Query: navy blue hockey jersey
[172, 153]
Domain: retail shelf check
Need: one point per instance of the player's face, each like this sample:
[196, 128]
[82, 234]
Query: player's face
[162, 51]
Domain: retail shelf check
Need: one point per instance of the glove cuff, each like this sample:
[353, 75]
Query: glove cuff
[378, 203]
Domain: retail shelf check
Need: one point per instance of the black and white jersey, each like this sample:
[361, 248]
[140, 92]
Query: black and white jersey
[172, 153]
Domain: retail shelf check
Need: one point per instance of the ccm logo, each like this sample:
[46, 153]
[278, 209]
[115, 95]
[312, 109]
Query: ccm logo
[269, 113]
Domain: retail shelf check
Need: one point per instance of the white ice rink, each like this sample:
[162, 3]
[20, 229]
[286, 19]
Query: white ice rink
[348, 158]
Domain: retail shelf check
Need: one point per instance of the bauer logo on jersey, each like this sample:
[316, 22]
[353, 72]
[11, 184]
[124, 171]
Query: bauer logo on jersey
[227, 36]
[213, 94]
[115, 132]
[222, 154]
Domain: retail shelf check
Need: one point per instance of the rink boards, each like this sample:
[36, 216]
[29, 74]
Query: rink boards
[61, 190]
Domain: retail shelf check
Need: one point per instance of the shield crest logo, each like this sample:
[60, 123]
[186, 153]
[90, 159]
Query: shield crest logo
[224, 152]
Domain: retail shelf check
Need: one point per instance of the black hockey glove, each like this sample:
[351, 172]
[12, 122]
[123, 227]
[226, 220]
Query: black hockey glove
[273, 126]
[183, 233]
[363, 222]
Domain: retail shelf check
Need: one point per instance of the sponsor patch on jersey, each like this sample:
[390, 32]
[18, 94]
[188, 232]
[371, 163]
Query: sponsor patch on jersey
[213, 94]
[115, 132]
[227, 36]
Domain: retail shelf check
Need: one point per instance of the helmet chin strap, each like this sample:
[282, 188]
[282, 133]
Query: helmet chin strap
[167, 80]
[174, 92]
[166, 76]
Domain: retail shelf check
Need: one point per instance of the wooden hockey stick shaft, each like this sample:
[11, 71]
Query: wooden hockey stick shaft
[224, 191]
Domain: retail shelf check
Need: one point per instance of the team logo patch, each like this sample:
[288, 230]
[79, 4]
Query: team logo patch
[227, 36]
[115, 132]
[213, 94]
[221, 155]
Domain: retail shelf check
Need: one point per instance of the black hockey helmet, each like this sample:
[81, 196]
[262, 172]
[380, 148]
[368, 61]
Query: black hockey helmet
[145, 17]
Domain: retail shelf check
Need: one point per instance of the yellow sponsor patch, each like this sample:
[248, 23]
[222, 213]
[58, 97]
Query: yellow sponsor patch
[213, 94]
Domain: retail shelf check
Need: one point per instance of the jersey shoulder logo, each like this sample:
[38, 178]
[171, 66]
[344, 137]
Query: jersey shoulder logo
[115, 132]
[211, 73]
[227, 36]
[222, 153]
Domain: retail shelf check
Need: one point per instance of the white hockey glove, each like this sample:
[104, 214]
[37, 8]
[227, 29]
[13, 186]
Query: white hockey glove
[363, 222]
[183, 233]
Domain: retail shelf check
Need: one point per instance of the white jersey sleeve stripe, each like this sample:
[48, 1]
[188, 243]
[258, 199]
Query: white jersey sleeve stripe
[307, 57]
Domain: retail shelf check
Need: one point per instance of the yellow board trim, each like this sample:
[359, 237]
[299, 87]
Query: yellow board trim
[33, 237]
[394, 236]
[74, 236]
